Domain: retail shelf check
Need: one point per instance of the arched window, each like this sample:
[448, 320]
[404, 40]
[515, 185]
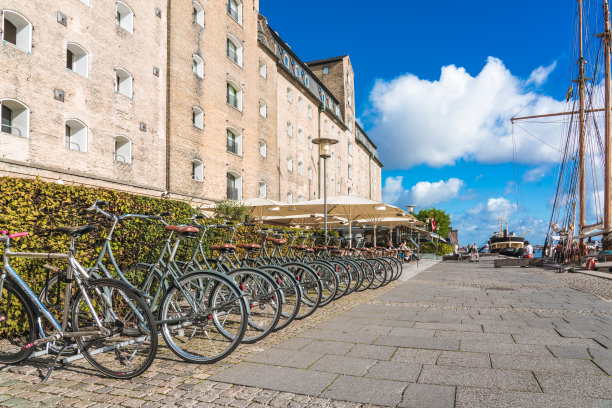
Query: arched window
[234, 96]
[300, 197]
[310, 111]
[234, 186]
[289, 163]
[300, 136]
[350, 124]
[198, 14]
[17, 30]
[310, 142]
[76, 135]
[289, 94]
[339, 161]
[338, 188]
[123, 149]
[234, 9]
[350, 191]
[339, 136]
[15, 118]
[326, 126]
[350, 171]
[263, 109]
[350, 148]
[234, 50]
[77, 59]
[300, 168]
[197, 170]
[263, 193]
[289, 129]
[123, 82]
[289, 198]
[197, 116]
[125, 17]
[234, 142]
[263, 69]
[198, 65]
[299, 103]
[310, 173]
[263, 149]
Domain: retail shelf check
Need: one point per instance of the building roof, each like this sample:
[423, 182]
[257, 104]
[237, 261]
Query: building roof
[366, 135]
[327, 60]
[288, 49]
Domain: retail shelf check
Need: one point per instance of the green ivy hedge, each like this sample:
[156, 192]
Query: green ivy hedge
[37, 207]
[433, 248]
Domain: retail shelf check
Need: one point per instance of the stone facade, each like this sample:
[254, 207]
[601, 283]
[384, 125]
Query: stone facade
[31, 77]
[181, 56]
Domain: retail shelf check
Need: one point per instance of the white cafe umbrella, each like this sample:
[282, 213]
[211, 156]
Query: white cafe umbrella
[352, 208]
[262, 208]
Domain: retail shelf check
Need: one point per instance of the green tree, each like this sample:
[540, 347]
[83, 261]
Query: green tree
[442, 219]
[230, 210]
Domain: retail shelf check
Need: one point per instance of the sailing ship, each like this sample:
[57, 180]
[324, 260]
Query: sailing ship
[585, 151]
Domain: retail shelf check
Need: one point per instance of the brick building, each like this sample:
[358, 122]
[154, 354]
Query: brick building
[197, 100]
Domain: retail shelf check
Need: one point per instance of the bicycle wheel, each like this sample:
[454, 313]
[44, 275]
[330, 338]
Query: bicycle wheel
[130, 345]
[380, 273]
[329, 280]
[312, 289]
[265, 302]
[292, 294]
[204, 318]
[368, 274]
[52, 296]
[17, 327]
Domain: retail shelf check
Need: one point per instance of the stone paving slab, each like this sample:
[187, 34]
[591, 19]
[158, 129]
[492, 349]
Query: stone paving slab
[366, 390]
[483, 377]
[428, 396]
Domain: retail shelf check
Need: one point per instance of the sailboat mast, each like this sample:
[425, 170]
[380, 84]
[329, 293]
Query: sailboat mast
[608, 128]
[581, 175]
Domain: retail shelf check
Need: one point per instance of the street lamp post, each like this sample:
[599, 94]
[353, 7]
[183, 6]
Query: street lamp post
[325, 153]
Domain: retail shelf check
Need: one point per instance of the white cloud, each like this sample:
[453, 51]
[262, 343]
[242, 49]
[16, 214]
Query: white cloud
[535, 174]
[458, 117]
[496, 206]
[423, 193]
[393, 190]
[476, 210]
[540, 74]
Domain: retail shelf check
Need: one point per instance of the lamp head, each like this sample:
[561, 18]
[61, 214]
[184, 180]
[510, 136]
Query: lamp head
[325, 144]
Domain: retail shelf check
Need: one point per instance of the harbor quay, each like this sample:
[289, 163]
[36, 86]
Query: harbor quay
[452, 334]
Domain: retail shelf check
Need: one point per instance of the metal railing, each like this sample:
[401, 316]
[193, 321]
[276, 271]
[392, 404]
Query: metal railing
[11, 130]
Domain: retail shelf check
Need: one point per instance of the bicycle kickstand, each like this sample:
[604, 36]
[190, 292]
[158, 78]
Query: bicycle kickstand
[52, 365]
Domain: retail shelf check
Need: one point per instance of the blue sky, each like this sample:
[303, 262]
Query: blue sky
[436, 84]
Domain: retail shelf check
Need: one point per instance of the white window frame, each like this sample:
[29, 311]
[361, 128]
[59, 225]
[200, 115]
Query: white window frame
[198, 14]
[310, 111]
[124, 17]
[289, 197]
[300, 197]
[290, 94]
[237, 58]
[197, 170]
[123, 82]
[197, 65]
[20, 121]
[350, 171]
[123, 153]
[310, 142]
[310, 173]
[237, 181]
[263, 148]
[237, 140]
[236, 14]
[299, 103]
[263, 109]
[300, 135]
[23, 30]
[289, 129]
[300, 168]
[197, 117]
[325, 70]
[77, 139]
[350, 148]
[263, 69]
[290, 164]
[263, 189]
[238, 95]
[80, 62]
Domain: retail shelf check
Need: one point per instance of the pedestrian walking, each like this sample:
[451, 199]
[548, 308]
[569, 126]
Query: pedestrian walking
[474, 253]
[456, 252]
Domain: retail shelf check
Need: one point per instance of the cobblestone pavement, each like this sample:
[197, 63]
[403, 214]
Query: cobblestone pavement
[170, 381]
[456, 335]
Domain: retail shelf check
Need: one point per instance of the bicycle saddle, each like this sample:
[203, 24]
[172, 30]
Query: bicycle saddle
[74, 231]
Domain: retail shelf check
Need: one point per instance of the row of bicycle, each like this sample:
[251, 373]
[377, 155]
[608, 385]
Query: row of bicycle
[203, 305]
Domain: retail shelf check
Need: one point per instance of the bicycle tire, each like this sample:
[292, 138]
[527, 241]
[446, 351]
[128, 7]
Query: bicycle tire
[265, 302]
[17, 327]
[133, 340]
[312, 289]
[222, 319]
[368, 274]
[329, 281]
[292, 292]
[380, 273]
